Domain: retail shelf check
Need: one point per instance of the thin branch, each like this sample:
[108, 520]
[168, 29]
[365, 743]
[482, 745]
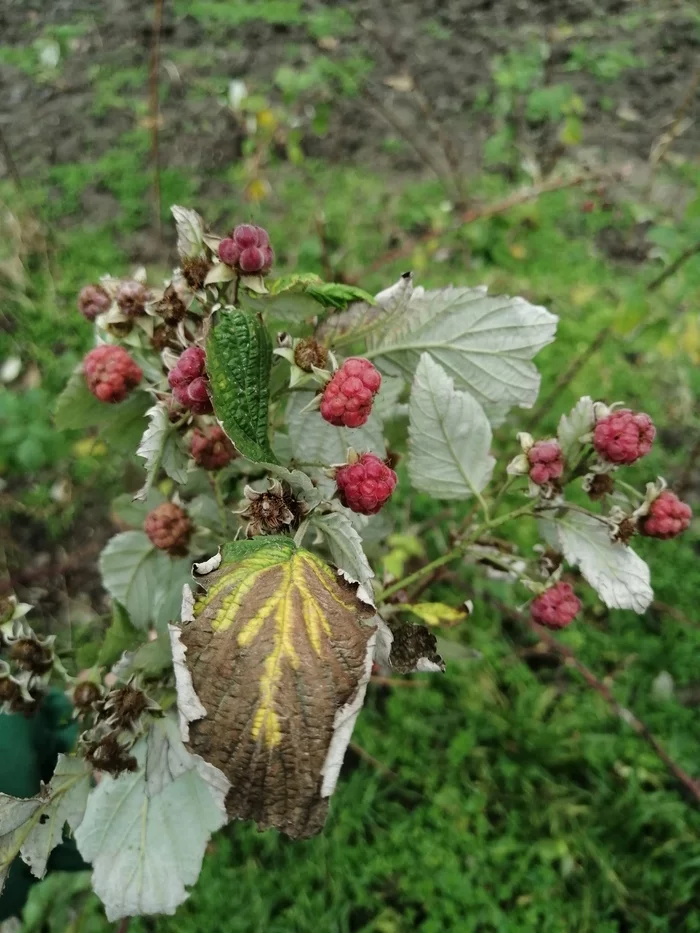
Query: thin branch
[12, 169]
[673, 267]
[154, 111]
[371, 760]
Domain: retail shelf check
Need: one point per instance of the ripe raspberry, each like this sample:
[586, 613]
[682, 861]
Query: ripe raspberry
[624, 436]
[667, 517]
[546, 462]
[556, 607]
[169, 528]
[132, 297]
[211, 449]
[248, 250]
[188, 381]
[347, 399]
[93, 300]
[364, 486]
[110, 373]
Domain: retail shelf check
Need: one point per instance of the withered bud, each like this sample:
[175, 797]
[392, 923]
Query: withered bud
[550, 561]
[626, 530]
[85, 695]
[7, 608]
[195, 270]
[309, 353]
[9, 689]
[601, 485]
[132, 297]
[125, 705]
[31, 655]
[108, 754]
[162, 338]
[272, 511]
[170, 307]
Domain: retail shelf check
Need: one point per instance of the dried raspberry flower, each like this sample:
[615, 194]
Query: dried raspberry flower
[211, 448]
[598, 485]
[109, 754]
[546, 462]
[667, 517]
[111, 373]
[557, 607]
[188, 381]
[169, 528]
[171, 308]
[194, 270]
[365, 485]
[623, 436]
[85, 695]
[347, 399]
[132, 297]
[272, 511]
[93, 300]
[309, 353]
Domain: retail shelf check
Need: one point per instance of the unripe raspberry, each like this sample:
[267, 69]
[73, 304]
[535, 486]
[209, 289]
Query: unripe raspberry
[132, 297]
[229, 251]
[93, 300]
[546, 462]
[624, 436]
[667, 517]
[168, 528]
[364, 486]
[211, 449]
[557, 607]
[188, 382]
[246, 235]
[110, 373]
[347, 399]
[252, 260]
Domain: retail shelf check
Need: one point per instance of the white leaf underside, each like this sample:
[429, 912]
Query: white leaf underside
[345, 546]
[313, 440]
[573, 426]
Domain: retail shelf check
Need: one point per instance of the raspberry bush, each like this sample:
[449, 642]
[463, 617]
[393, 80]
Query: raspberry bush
[286, 426]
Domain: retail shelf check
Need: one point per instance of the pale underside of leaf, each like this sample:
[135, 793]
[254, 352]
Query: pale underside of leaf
[574, 426]
[159, 448]
[313, 440]
[345, 546]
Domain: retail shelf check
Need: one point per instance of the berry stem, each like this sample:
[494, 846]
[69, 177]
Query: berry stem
[630, 489]
[219, 496]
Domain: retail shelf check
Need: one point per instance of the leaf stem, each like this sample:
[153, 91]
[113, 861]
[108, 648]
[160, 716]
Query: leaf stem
[630, 489]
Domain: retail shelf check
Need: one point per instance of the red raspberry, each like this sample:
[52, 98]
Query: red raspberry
[168, 528]
[246, 235]
[229, 251]
[211, 449]
[252, 260]
[188, 382]
[132, 297]
[364, 486]
[93, 300]
[546, 462]
[667, 517]
[347, 399]
[624, 436]
[248, 250]
[556, 607]
[110, 373]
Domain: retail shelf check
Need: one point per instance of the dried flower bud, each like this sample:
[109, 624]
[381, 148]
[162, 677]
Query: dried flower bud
[309, 353]
[195, 269]
[599, 485]
[272, 511]
[170, 307]
[132, 297]
[32, 655]
[85, 695]
[109, 754]
[92, 301]
[123, 706]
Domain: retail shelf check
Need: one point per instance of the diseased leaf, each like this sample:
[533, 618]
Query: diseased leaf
[146, 850]
[485, 344]
[190, 232]
[407, 648]
[160, 449]
[239, 356]
[279, 658]
[449, 436]
[435, 614]
[345, 544]
[614, 570]
[313, 440]
[572, 427]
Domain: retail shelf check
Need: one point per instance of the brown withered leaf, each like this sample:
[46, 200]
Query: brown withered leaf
[279, 657]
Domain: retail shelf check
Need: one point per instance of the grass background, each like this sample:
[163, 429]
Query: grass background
[515, 801]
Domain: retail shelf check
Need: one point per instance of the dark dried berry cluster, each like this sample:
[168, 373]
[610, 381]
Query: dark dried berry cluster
[271, 511]
[108, 753]
[309, 353]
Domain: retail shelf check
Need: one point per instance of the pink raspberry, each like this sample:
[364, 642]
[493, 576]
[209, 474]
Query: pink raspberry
[624, 436]
[229, 251]
[110, 373]
[546, 462]
[557, 607]
[169, 528]
[211, 448]
[252, 260]
[247, 250]
[347, 399]
[93, 300]
[364, 486]
[667, 517]
[246, 235]
[188, 381]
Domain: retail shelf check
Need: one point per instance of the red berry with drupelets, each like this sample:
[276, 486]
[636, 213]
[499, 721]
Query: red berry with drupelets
[365, 485]
[188, 381]
[347, 399]
[557, 607]
[623, 436]
[111, 373]
[667, 517]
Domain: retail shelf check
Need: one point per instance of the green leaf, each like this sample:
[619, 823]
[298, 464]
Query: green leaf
[133, 512]
[121, 636]
[161, 449]
[345, 546]
[329, 294]
[77, 408]
[239, 357]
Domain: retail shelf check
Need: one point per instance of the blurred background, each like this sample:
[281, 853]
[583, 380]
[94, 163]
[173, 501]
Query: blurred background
[549, 148]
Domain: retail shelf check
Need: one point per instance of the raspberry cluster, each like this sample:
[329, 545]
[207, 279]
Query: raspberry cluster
[667, 517]
[110, 373]
[247, 250]
[189, 383]
[623, 436]
[168, 528]
[557, 607]
[211, 448]
[546, 462]
[93, 300]
[347, 399]
[365, 485]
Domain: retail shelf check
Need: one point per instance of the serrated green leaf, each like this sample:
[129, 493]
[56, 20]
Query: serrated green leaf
[121, 636]
[345, 546]
[239, 357]
[160, 449]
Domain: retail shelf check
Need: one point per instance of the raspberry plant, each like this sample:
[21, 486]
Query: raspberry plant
[248, 615]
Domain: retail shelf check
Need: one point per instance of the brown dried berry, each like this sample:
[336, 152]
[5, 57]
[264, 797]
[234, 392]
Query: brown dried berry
[170, 307]
[169, 528]
[9, 690]
[309, 353]
[162, 338]
[29, 654]
[85, 695]
[124, 705]
[23, 706]
[600, 486]
[195, 271]
[108, 754]
[132, 297]
[272, 511]
[626, 530]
